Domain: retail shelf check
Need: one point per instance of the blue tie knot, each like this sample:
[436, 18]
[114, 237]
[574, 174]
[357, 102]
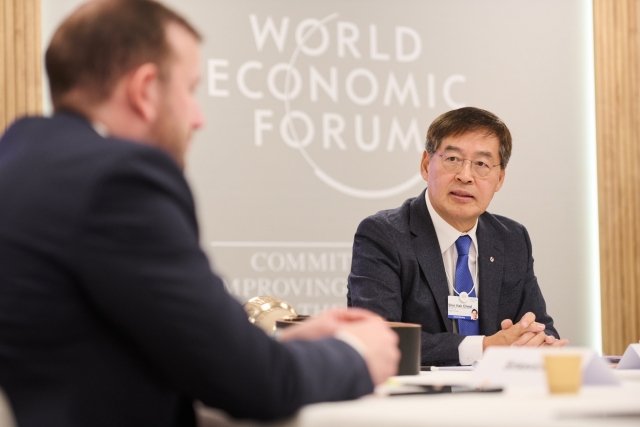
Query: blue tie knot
[462, 245]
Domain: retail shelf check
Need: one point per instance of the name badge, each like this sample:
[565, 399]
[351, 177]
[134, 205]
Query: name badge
[463, 310]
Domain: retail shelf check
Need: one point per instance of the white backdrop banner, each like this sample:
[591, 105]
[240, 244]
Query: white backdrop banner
[317, 114]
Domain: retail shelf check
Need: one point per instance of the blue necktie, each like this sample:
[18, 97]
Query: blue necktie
[464, 283]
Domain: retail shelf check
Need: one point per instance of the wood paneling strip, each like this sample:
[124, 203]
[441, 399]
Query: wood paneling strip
[617, 72]
[10, 61]
[20, 53]
[3, 69]
[30, 57]
[20, 60]
[36, 53]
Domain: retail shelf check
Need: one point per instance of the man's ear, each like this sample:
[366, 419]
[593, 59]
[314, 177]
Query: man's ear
[143, 91]
[424, 165]
[503, 172]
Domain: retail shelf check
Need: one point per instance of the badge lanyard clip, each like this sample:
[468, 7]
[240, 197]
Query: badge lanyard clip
[464, 296]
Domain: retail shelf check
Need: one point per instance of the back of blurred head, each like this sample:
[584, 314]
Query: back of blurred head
[119, 62]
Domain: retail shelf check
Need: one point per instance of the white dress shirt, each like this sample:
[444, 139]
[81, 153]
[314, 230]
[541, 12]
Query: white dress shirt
[470, 349]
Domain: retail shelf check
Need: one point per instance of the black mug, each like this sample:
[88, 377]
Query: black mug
[408, 342]
[409, 345]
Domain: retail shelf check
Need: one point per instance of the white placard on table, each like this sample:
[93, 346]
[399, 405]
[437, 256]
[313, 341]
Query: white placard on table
[518, 366]
[630, 358]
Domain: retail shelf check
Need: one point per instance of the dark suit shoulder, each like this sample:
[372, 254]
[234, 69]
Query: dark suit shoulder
[502, 224]
[39, 156]
[396, 219]
[508, 234]
[66, 130]
[66, 147]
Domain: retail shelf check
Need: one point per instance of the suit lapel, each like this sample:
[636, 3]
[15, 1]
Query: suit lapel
[427, 250]
[491, 265]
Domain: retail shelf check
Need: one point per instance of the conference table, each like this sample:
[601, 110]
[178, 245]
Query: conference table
[593, 406]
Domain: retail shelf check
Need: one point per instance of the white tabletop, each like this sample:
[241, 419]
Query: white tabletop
[593, 406]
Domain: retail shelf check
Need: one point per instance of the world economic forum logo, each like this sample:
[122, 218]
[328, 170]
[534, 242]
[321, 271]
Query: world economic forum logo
[330, 87]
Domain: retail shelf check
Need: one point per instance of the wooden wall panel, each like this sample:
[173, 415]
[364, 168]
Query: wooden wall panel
[20, 60]
[617, 74]
[3, 68]
[10, 64]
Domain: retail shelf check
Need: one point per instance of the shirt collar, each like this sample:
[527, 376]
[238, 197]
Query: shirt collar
[100, 129]
[446, 233]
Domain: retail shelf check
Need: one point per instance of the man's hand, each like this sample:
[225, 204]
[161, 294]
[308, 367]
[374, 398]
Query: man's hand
[530, 339]
[552, 341]
[379, 343]
[510, 333]
[380, 347]
[324, 325]
[519, 334]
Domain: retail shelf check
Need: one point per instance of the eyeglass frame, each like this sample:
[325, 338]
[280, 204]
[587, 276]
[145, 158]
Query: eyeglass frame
[473, 172]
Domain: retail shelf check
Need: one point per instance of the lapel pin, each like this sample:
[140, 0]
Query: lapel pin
[491, 259]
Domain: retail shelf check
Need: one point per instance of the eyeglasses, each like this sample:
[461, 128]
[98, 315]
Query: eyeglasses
[479, 168]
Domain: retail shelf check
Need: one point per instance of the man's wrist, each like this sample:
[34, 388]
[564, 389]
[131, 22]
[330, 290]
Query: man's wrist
[488, 342]
[470, 349]
[352, 340]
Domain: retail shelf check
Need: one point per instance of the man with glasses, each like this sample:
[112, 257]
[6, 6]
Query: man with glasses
[440, 257]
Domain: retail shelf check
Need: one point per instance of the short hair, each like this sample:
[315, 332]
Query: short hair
[469, 119]
[105, 39]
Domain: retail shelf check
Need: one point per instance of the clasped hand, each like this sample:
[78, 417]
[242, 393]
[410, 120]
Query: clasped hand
[378, 343]
[526, 333]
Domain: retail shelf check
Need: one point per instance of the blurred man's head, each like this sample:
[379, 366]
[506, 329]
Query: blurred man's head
[132, 65]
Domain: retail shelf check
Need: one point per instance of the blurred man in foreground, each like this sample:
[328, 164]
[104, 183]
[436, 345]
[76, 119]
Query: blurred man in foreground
[442, 261]
[109, 312]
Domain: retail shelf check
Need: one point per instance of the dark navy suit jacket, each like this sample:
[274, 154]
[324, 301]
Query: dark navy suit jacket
[109, 312]
[397, 271]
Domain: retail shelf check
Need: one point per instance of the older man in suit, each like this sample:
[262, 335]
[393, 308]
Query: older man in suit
[109, 312]
[440, 256]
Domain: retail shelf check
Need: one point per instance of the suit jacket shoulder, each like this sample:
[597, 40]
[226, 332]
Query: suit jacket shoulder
[109, 293]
